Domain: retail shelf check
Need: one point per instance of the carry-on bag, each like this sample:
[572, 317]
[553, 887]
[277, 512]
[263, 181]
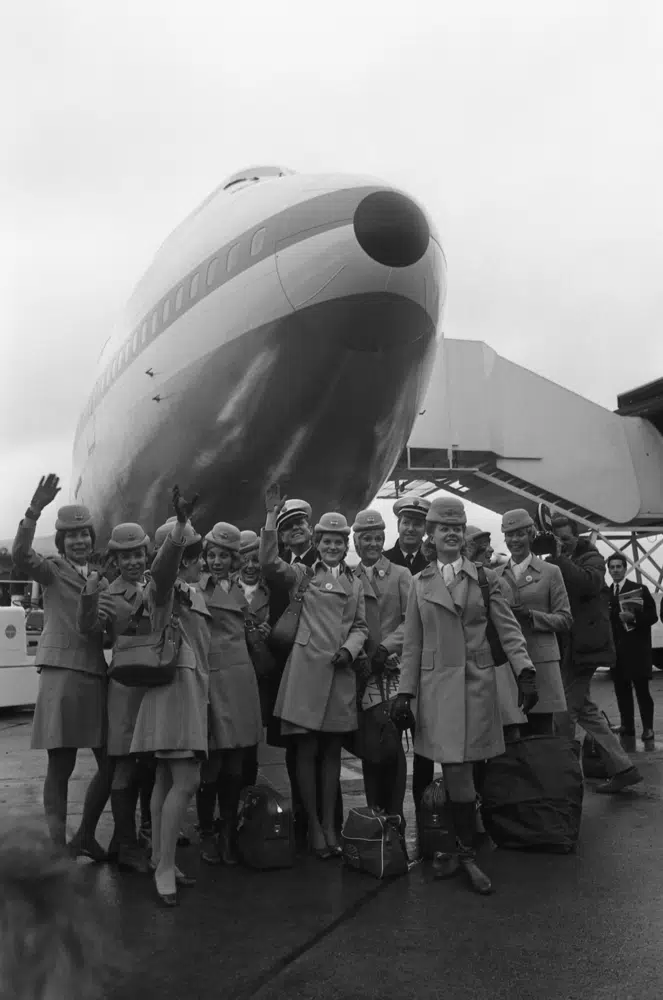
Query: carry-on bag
[372, 843]
[283, 634]
[265, 831]
[148, 659]
[532, 796]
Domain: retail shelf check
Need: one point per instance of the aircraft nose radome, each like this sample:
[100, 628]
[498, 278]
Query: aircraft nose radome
[391, 229]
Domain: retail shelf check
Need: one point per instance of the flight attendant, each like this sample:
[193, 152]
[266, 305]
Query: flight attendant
[316, 700]
[448, 671]
[235, 721]
[541, 606]
[172, 719]
[410, 552]
[70, 712]
[386, 589]
[128, 547]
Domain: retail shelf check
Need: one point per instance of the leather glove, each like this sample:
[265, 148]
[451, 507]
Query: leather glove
[380, 657]
[342, 659]
[46, 492]
[521, 614]
[106, 606]
[401, 713]
[183, 508]
[363, 669]
[527, 693]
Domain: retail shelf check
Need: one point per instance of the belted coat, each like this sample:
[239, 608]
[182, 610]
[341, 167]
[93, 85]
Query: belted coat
[448, 667]
[385, 592]
[540, 590]
[313, 694]
[234, 703]
[123, 702]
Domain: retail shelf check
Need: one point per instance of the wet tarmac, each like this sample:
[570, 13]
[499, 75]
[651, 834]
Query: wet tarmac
[587, 926]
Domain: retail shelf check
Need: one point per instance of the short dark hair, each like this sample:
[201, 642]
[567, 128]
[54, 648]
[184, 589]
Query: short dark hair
[562, 521]
[193, 551]
[61, 534]
[619, 557]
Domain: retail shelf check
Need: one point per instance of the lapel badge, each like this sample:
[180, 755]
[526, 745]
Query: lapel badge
[329, 586]
[380, 572]
[528, 579]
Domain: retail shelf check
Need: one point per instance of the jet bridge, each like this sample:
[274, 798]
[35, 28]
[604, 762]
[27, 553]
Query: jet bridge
[501, 436]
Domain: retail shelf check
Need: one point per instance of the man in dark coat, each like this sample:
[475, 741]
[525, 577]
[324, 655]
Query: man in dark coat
[589, 645]
[631, 622]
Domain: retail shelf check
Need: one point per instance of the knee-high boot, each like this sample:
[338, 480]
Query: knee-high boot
[205, 803]
[129, 855]
[229, 789]
[464, 817]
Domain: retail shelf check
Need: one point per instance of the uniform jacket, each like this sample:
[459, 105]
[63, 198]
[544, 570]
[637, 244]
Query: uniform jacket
[60, 643]
[541, 590]
[279, 595]
[590, 644]
[386, 595]
[165, 593]
[259, 605]
[127, 598]
[396, 557]
[447, 664]
[228, 634]
[312, 692]
[633, 649]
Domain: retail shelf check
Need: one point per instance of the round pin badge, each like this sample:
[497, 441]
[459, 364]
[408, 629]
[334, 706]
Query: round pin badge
[528, 579]
[329, 586]
[380, 572]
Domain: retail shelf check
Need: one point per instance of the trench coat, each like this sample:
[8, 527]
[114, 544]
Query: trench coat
[313, 694]
[123, 701]
[174, 716]
[234, 701]
[634, 647]
[447, 665]
[540, 590]
[385, 594]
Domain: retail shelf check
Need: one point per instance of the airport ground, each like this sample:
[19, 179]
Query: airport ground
[588, 926]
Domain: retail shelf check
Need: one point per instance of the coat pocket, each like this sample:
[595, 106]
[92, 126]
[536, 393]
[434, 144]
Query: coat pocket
[483, 658]
[428, 659]
[303, 636]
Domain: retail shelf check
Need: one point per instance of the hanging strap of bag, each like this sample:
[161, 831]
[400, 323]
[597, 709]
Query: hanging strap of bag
[496, 650]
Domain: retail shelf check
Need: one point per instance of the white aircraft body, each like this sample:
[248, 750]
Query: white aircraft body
[285, 331]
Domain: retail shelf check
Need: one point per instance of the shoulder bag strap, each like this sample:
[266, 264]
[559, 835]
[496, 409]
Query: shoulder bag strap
[303, 584]
[485, 587]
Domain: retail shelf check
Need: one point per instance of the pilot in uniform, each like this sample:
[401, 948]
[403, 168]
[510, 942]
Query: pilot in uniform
[408, 551]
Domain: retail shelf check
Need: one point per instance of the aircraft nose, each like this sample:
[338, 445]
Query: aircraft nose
[391, 229]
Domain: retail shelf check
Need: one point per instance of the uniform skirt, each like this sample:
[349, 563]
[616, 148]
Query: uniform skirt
[549, 686]
[235, 719]
[174, 717]
[123, 705]
[70, 711]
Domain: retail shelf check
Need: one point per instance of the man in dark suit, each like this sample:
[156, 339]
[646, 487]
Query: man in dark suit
[411, 514]
[408, 551]
[296, 546]
[631, 630]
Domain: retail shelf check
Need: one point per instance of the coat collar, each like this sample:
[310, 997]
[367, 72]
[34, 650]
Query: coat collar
[434, 588]
[127, 590]
[535, 569]
[324, 580]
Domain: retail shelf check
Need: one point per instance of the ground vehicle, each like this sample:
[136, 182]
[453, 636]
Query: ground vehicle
[657, 636]
[19, 634]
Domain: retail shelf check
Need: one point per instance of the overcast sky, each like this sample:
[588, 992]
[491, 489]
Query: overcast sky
[530, 130]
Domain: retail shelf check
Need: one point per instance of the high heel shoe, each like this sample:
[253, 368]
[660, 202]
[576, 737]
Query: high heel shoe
[321, 853]
[184, 881]
[168, 899]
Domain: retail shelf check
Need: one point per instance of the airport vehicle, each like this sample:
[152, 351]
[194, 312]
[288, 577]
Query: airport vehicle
[20, 629]
[285, 331]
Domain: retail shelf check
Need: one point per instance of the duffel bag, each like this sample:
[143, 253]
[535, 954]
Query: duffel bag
[265, 831]
[372, 843]
[532, 796]
[434, 825]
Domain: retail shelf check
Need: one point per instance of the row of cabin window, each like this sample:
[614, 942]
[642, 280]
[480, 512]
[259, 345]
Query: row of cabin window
[257, 244]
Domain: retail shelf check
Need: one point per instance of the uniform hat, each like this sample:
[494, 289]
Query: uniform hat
[471, 531]
[248, 542]
[412, 504]
[73, 517]
[333, 522]
[368, 520]
[225, 535]
[161, 534]
[514, 519]
[127, 536]
[449, 510]
[291, 509]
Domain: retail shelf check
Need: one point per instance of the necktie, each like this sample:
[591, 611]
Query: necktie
[409, 559]
[297, 559]
[448, 574]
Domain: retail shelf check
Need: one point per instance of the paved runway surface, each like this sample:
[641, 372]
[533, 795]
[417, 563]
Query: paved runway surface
[587, 926]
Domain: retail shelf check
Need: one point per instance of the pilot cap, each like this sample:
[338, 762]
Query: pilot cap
[333, 522]
[514, 519]
[225, 535]
[73, 517]
[248, 542]
[161, 534]
[411, 504]
[449, 510]
[127, 536]
[292, 509]
[368, 520]
[471, 531]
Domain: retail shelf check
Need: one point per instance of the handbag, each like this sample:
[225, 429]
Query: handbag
[376, 739]
[147, 660]
[282, 636]
[263, 661]
[496, 650]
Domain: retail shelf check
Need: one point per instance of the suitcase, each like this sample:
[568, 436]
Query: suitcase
[532, 796]
[265, 830]
[435, 829]
[372, 843]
